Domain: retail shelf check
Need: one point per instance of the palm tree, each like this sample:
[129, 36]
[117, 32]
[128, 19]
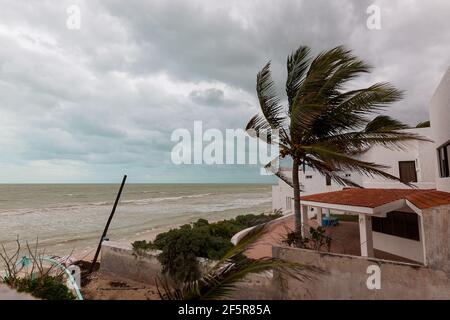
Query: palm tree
[325, 125]
[424, 124]
[221, 280]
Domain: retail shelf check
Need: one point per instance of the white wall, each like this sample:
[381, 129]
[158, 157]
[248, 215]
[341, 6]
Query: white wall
[422, 152]
[440, 123]
[345, 277]
[409, 249]
[315, 183]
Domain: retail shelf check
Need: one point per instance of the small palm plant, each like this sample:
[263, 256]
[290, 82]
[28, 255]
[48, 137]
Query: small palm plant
[325, 125]
[221, 280]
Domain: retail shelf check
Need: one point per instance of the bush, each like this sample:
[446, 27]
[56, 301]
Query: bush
[316, 240]
[37, 280]
[140, 246]
[180, 247]
[207, 240]
[45, 287]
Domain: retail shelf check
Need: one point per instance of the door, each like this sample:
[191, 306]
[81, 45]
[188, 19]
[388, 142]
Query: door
[407, 171]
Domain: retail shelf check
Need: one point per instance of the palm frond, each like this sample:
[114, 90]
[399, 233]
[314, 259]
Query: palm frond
[327, 170]
[297, 64]
[349, 111]
[278, 173]
[383, 123]
[352, 143]
[223, 279]
[311, 97]
[342, 162]
[258, 127]
[268, 98]
[425, 124]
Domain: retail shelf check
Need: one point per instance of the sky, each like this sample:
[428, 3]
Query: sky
[88, 105]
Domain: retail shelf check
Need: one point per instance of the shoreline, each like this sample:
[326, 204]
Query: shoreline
[148, 235]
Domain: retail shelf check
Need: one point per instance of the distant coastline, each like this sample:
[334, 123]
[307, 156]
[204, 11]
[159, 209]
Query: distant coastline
[70, 217]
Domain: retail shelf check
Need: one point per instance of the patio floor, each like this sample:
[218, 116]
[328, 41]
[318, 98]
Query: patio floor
[345, 240]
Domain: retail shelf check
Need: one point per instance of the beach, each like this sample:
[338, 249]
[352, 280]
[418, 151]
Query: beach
[68, 219]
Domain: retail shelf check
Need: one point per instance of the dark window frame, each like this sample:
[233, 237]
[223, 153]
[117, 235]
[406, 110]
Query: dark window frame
[328, 180]
[398, 224]
[443, 160]
[400, 170]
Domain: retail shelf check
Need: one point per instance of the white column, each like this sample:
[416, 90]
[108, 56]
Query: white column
[365, 235]
[327, 212]
[305, 225]
[319, 216]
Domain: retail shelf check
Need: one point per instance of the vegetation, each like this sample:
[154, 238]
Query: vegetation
[325, 125]
[316, 241]
[181, 247]
[44, 287]
[30, 275]
[346, 217]
[221, 280]
[425, 124]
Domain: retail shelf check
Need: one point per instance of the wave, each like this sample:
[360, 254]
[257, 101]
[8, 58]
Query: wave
[72, 206]
[153, 200]
[236, 204]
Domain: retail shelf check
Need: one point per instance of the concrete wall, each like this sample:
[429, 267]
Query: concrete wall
[409, 249]
[342, 276]
[402, 247]
[241, 234]
[436, 224]
[422, 152]
[311, 182]
[345, 277]
[9, 294]
[440, 122]
[119, 259]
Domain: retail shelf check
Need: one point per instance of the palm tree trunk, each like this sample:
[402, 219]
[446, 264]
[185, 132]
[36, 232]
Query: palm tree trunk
[296, 184]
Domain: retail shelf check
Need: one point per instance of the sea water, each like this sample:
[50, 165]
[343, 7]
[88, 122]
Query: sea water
[70, 217]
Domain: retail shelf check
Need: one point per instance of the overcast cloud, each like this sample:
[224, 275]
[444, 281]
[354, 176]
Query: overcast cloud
[92, 104]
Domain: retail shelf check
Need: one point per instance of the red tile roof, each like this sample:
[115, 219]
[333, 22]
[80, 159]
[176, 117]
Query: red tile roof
[372, 198]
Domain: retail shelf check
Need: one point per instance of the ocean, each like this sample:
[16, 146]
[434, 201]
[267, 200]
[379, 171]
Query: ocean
[67, 218]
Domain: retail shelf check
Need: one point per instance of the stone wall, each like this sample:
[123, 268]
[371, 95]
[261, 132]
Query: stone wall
[342, 276]
[345, 277]
[9, 294]
[436, 222]
[119, 259]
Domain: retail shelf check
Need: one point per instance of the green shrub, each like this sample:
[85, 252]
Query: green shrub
[316, 240]
[140, 246]
[180, 247]
[346, 217]
[45, 287]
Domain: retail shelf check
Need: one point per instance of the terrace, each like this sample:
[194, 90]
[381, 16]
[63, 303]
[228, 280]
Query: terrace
[389, 223]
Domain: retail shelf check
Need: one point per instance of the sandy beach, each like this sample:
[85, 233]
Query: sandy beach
[69, 219]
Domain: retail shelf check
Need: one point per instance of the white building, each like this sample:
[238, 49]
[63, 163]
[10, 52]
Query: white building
[426, 164]
[440, 119]
[409, 223]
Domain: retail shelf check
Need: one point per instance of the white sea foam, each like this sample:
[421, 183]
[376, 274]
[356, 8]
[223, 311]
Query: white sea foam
[65, 222]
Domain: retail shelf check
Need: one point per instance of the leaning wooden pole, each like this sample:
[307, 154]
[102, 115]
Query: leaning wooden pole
[105, 231]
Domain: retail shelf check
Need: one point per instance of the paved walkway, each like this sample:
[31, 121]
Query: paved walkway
[345, 240]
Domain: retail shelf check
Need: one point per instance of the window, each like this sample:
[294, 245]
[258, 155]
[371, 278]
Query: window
[348, 175]
[289, 203]
[399, 224]
[407, 171]
[328, 180]
[308, 177]
[443, 156]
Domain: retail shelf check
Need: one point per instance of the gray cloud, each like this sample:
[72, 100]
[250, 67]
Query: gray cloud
[88, 105]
